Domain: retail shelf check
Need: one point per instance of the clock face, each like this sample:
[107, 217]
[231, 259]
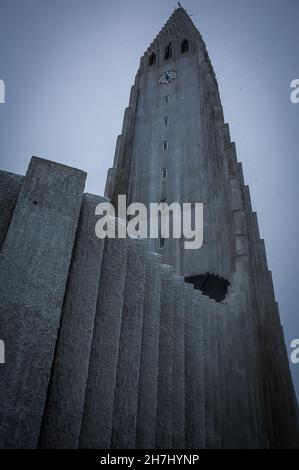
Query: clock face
[167, 77]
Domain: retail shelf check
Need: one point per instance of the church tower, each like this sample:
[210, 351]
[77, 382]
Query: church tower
[112, 345]
[175, 147]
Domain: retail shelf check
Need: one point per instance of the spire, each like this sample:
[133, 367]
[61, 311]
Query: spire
[179, 20]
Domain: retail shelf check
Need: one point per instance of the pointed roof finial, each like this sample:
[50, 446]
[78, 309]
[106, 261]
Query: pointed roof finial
[179, 5]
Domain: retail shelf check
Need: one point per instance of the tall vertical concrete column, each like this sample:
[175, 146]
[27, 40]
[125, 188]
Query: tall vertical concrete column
[194, 370]
[216, 375]
[178, 388]
[228, 426]
[208, 376]
[165, 375]
[245, 363]
[97, 418]
[224, 373]
[10, 185]
[148, 376]
[34, 265]
[127, 377]
[239, 389]
[66, 395]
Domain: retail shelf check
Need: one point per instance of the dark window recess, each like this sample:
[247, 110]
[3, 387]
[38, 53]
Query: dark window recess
[166, 99]
[168, 51]
[184, 46]
[211, 285]
[161, 243]
[164, 173]
[152, 59]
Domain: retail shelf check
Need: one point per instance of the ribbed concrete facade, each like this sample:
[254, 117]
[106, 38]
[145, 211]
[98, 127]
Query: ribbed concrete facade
[176, 147]
[106, 344]
[106, 347]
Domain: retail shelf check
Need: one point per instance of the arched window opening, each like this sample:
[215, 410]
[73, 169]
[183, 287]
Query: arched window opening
[184, 46]
[152, 59]
[168, 51]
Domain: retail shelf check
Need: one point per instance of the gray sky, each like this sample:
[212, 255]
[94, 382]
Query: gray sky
[68, 66]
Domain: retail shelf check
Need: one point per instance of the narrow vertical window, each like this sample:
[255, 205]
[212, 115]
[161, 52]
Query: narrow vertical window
[184, 46]
[165, 145]
[166, 99]
[164, 173]
[166, 121]
[168, 51]
[152, 59]
[161, 243]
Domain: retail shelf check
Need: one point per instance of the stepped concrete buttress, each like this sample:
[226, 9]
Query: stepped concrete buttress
[108, 348]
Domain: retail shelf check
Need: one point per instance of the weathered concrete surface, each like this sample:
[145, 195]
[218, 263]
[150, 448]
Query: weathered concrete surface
[148, 375]
[97, 418]
[178, 387]
[127, 377]
[34, 264]
[165, 373]
[193, 159]
[10, 185]
[194, 370]
[66, 395]
[202, 167]
[231, 412]
[223, 361]
[208, 376]
[214, 343]
[141, 359]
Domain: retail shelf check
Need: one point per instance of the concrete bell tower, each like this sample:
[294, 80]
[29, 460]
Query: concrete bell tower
[107, 346]
[172, 147]
[175, 147]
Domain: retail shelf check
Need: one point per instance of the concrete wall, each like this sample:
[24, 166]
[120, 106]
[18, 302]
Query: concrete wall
[34, 267]
[10, 185]
[107, 348]
[202, 167]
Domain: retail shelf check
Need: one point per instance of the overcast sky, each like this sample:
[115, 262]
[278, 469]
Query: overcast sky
[68, 66]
